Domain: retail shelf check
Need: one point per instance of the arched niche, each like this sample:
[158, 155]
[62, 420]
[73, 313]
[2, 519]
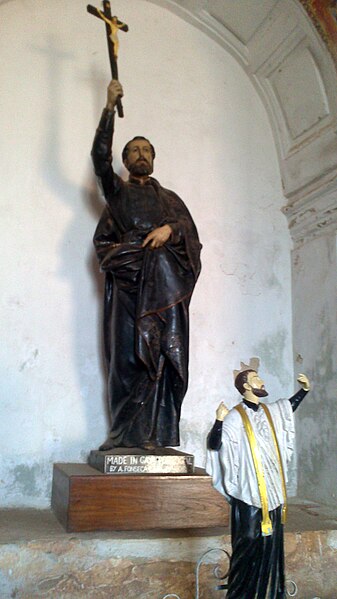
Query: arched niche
[282, 53]
[221, 160]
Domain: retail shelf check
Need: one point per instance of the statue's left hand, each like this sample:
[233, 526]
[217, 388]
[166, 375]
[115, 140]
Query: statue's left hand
[221, 412]
[304, 382]
[158, 237]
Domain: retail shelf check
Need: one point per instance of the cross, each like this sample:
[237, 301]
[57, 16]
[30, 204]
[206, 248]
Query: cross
[112, 26]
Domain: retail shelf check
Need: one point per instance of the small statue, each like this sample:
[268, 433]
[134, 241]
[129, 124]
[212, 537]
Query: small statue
[249, 448]
[148, 246]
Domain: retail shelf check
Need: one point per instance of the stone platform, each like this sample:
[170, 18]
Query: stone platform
[39, 559]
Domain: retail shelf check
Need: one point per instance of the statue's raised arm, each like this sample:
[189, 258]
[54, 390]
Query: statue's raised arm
[102, 146]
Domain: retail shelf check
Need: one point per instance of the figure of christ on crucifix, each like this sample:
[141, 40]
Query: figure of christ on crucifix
[148, 247]
[112, 26]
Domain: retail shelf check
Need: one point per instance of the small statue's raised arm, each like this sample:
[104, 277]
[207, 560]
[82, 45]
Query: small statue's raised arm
[303, 380]
[221, 412]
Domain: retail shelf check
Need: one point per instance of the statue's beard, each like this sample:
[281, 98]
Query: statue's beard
[260, 392]
[140, 168]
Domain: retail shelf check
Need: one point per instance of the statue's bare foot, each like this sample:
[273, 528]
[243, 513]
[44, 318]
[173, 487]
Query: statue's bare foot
[149, 446]
[108, 444]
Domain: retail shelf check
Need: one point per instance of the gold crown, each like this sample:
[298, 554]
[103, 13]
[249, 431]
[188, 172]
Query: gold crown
[254, 364]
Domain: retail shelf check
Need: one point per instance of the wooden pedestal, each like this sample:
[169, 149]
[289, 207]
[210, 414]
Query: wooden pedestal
[85, 499]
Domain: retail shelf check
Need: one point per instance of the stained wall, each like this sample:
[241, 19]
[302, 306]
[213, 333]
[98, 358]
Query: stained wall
[315, 350]
[214, 148]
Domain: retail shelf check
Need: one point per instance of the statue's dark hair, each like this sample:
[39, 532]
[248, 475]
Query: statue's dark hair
[126, 147]
[241, 379]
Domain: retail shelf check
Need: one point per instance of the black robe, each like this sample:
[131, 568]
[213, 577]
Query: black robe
[257, 562]
[147, 295]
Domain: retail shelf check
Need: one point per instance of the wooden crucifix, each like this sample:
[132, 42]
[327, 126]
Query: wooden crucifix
[112, 25]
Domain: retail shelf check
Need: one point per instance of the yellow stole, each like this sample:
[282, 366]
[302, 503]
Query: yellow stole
[266, 525]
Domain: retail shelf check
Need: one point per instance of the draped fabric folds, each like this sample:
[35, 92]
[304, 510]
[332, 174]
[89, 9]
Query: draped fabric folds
[257, 563]
[146, 321]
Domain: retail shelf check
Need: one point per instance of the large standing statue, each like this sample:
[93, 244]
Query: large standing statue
[249, 449]
[148, 247]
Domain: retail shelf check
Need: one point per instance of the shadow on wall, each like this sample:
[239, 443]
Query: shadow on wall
[75, 239]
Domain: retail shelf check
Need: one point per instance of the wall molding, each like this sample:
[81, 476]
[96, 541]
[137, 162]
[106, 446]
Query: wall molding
[295, 76]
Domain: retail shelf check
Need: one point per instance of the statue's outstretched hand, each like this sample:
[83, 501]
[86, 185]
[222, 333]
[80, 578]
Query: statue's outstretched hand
[114, 92]
[303, 380]
[221, 412]
[158, 237]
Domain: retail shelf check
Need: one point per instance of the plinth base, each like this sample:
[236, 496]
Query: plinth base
[84, 499]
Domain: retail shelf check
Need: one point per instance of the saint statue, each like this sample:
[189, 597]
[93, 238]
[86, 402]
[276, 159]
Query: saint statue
[249, 449]
[148, 247]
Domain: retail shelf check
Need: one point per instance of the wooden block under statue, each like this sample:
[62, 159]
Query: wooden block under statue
[85, 498]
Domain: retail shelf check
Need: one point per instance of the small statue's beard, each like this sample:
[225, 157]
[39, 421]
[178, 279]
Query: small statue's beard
[140, 168]
[260, 392]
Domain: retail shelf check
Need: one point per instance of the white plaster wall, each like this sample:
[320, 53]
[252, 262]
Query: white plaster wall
[315, 352]
[214, 148]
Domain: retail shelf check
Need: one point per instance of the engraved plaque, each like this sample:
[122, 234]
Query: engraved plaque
[137, 461]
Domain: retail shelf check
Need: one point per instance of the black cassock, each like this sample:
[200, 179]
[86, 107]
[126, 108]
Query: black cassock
[147, 296]
[257, 562]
